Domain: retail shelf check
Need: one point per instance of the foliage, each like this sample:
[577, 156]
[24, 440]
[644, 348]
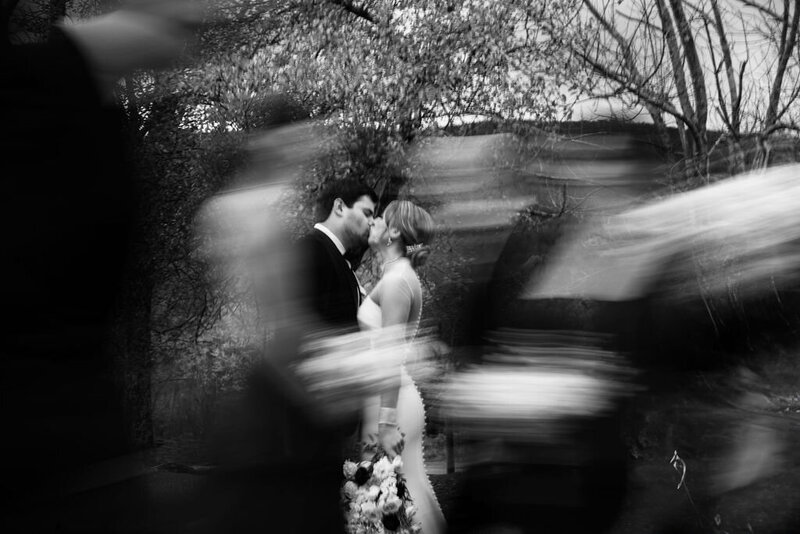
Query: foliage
[397, 65]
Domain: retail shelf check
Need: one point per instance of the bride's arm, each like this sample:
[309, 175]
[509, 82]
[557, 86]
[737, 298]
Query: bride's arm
[395, 302]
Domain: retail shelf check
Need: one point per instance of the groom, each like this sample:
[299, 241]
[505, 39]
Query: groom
[330, 288]
[284, 463]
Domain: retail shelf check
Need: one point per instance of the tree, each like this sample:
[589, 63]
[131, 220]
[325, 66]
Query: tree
[377, 73]
[698, 67]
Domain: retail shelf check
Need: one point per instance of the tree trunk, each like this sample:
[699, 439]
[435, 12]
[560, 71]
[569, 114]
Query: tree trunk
[678, 75]
[735, 156]
[661, 128]
[686, 147]
[696, 77]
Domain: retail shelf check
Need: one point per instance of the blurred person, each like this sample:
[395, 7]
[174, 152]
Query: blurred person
[396, 419]
[539, 411]
[70, 213]
[692, 285]
[539, 425]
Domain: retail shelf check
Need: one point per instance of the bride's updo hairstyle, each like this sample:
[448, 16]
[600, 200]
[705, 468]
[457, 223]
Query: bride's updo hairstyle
[416, 229]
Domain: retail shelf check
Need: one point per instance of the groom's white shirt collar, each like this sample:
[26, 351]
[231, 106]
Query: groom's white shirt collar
[324, 229]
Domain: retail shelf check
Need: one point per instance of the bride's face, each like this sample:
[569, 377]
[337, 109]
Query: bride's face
[377, 234]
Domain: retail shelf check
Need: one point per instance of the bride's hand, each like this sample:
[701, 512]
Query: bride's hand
[391, 439]
[369, 445]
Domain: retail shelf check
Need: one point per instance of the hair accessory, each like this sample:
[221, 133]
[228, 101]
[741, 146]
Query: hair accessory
[410, 249]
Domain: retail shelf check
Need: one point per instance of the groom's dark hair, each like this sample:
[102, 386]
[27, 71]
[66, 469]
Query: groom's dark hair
[348, 189]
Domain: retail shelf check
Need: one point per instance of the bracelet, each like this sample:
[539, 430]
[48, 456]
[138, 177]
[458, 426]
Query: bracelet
[387, 416]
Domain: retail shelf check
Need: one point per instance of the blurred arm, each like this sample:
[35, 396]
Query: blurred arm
[395, 302]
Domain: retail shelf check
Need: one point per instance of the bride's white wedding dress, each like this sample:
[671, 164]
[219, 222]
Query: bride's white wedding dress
[411, 422]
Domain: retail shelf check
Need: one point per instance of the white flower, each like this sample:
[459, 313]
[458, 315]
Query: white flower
[392, 505]
[350, 489]
[349, 469]
[361, 495]
[382, 468]
[370, 511]
[374, 491]
[397, 463]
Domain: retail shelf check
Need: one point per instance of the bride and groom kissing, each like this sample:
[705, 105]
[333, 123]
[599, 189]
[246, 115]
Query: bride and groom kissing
[284, 443]
[400, 241]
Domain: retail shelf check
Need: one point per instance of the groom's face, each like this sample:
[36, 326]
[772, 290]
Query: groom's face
[358, 220]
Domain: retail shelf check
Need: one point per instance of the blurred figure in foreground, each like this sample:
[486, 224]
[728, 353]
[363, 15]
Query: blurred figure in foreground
[691, 283]
[69, 209]
[538, 411]
[539, 420]
[276, 449]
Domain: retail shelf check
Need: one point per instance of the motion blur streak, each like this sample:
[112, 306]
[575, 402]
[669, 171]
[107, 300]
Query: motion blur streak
[743, 231]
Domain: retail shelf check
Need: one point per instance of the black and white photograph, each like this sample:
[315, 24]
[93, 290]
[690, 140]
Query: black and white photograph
[400, 266]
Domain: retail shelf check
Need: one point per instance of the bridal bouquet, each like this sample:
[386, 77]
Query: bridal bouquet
[375, 498]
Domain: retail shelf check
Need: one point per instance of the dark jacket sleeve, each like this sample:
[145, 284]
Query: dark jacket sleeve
[325, 289]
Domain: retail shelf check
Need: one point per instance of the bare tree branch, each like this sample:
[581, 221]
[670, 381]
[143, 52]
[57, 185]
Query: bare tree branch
[781, 126]
[763, 9]
[790, 100]
[355, 10]
[624, 45]
[641, 92]
[787, 46]
[640, 20]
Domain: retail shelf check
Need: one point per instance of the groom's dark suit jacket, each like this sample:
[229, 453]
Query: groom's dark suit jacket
[329, 287]
[289, 459]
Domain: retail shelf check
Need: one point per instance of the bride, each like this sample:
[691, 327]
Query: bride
[397, 417]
